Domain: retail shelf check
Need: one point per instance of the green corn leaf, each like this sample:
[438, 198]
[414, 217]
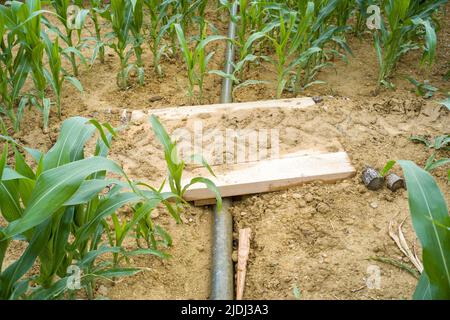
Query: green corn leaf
[69, 146]
[90, 189]
[106, 208]
[387, 167]
[153, 252]
[436, 164]
[14, 272]
[430, 40]
[210, 185]
[222, 74]
[90, 257]
[75, 82]
[53, 188]
[427, 204]
[423, 288]
[116, 272]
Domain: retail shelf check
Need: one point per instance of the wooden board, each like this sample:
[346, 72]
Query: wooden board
[188, 111]
[273, 175]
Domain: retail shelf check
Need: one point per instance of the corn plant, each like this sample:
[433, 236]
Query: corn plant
[14, 69]
[299, 39]
[138, 39]
[196, 58]
[238, 69]
[176, 166]
[55, 76]
[408, 23]
[160, 24]
[60, 209]
[250, 20]
[96, 10]
[72, 18]
[431, 221]
[343, 12]
[22, 55]
[422, 89]
[441, 142]
[126, 22]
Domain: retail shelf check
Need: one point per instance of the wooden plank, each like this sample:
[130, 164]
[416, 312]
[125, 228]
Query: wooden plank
[243, 253]
[188, 111]
[272, 175]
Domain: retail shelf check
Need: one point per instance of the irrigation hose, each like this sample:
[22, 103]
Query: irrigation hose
[222, 277]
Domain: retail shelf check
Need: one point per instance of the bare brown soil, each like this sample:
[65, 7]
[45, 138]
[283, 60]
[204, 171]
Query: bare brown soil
[318, 238]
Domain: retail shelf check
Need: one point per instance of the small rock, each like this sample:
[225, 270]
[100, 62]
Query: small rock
[388, 197]
[155, 98]
[234, 256]
[309, 197]
[154, 214]
[102, 290]
[362, 189]
[243, 214]
[323, 208]
[296, 195]
[374, 205]
[137, 117]
[200, 248]
[183, 219]
[317, 99]
[124, 117]
[302, 203]
[308, 211]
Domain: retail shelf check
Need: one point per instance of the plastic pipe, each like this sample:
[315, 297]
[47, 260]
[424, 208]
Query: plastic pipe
[222, 277]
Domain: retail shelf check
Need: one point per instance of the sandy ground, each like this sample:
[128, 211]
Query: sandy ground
[318, 238]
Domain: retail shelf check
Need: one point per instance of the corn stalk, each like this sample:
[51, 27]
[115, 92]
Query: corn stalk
[408, 23]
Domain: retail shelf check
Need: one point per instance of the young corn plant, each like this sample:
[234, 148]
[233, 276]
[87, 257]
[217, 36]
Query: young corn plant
[22, 56]
[344, 11]
[422, 89]
[196, 59]
[160, 24]
[409, 22]
[442, 143]
[125, 21]
[138, 38]
[97, 8]
[14, 70]
[176, 166]
[55, 76]
[61, 210]
[300, 40]
[72, 18]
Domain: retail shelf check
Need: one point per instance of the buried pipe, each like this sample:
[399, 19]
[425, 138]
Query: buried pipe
[222, 265]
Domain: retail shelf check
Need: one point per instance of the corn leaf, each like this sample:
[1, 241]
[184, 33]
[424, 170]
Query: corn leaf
[427, 204]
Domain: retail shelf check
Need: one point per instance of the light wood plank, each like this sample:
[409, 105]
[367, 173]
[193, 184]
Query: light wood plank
[188, 111]
[272, 175]
[243, 253]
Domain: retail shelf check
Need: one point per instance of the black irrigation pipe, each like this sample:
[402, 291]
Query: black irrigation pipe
[222, 276]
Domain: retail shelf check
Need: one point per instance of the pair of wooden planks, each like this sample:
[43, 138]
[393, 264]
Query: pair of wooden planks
[265, 175]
